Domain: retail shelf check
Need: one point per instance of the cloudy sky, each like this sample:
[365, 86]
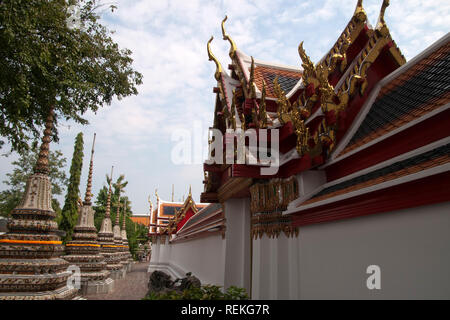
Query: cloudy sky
[168, 39]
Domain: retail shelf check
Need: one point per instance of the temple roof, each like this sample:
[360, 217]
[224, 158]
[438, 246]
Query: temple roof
[203, 213]
[404, 168]
[207, 221]
[288, 76]
[141, 219]
[421, 88]
[175, 212]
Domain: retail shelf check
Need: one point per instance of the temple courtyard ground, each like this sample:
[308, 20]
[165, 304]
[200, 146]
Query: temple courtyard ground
[132, 287]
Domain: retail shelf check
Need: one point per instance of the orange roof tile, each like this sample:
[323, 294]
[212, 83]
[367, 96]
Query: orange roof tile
[286, 79]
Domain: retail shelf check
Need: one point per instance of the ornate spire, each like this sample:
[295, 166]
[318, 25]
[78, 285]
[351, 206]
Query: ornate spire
[227, 37]
[212, 57]
[233, 110]
[151, 204]
[42, 162]
[190, 191]
[359, 13]
[108, 201]
[381, 24]
[308, 66]
[118, 207]
[124, 214]
[262, 108]
[173, 191]
[251, 81]
[88, 195]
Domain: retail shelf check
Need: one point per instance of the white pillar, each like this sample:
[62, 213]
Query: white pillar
[237, 247]
[154, 259]
[262, 268]
[293, 263]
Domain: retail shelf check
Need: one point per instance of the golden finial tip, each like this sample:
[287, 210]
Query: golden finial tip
[227, 37]
[211, 57]
[360, 14]
[381, 24]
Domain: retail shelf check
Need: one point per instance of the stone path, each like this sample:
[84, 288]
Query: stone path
[132, 287]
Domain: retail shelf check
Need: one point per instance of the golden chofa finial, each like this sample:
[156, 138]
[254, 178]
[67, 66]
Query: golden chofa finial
[227, 37]
[359, 13]
[156, 194]
[212, 57]
[190, 191]
[233, 111]
[262, 108]
[381, 24]
[307, 64]
[251, 81]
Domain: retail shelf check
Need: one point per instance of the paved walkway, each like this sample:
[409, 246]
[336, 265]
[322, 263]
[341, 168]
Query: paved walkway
[132, 287]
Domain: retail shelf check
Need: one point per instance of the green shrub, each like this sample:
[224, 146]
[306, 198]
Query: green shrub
[206, 292]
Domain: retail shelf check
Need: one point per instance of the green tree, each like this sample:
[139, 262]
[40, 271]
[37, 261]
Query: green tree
[23, 167]
[136, 233]
[48, 62]
[100, 204]
[70, 209]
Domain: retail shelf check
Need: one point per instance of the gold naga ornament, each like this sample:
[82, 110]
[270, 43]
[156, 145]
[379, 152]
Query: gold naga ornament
[288, 112]
[233, 47]
[262, 108]
[212, 57]
[334, 99]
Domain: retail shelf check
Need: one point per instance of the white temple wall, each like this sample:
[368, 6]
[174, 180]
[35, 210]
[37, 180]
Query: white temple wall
[275, 272]
[155, 251]
[330, 260]
[204, 257]
[237, 247]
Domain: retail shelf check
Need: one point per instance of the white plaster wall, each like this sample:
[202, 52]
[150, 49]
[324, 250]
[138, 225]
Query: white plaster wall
[275, 272]
[329, 260]
[154, 259]
[412, 248]
[164, 251]
[238, 242]
[204, 257]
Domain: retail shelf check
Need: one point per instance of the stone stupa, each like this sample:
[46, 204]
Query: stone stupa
[126, 248]
[84, 250]
[106, 240]
[118, 238]
[30, 263]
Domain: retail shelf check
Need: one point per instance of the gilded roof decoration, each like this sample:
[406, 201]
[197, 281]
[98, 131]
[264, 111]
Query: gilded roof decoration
[233, 48]
[262, 108]
[180, 213]
[251, 83]
[381, 24]
[212, 57]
